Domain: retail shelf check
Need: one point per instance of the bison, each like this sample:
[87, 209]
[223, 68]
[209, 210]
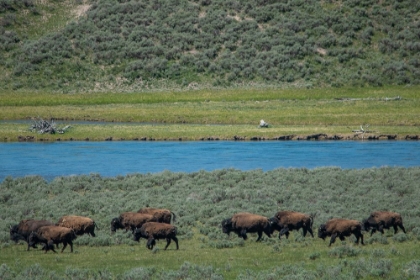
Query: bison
[379, 220]
[79, 224]
[22, 230]
[341, 228]
[285, 221]
[130, 221]
[242, 223]
[161, 215]
[154, 231]
[50, 235]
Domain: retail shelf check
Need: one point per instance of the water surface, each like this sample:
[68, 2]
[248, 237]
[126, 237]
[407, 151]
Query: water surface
[120, 158]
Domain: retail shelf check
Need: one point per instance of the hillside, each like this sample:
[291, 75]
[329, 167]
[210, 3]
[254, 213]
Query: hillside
[131, 45]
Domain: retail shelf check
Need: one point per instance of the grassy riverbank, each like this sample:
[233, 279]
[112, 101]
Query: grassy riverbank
[224, 114]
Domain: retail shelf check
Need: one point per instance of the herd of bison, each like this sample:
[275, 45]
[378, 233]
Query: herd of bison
[154, 224]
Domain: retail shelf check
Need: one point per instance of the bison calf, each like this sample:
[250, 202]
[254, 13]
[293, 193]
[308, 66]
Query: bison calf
[50, 235]
[341, 228]
[161, 215]
[130, 221]
[22, 230]
[380, 220]
[79, 224]
[242, 223]
[154, 231]
[285, 221]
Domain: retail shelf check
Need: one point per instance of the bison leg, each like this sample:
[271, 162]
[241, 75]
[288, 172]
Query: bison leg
[33, 246]
[48, 246]
[71, 246]
[168, 241]
[372, 231]
[243, 234]
[151, 243]
[174, 238]
[64, 246]
[284, 230]
[310, 231]
[259, 236]
[402, 227]
[333, 237]
[359, 235]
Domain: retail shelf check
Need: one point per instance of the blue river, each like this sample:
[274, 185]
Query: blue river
[108, 159]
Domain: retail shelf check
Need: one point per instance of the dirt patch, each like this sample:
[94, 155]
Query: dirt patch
[81, 10]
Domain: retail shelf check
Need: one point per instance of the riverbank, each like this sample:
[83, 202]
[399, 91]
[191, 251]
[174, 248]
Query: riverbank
[103, 131]
[292, 114]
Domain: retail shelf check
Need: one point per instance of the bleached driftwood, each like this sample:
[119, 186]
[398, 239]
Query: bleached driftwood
[42, 126]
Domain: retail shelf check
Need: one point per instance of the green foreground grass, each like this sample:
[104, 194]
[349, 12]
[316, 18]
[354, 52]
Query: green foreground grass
[239, 262]
[220, 114]
[201, 200]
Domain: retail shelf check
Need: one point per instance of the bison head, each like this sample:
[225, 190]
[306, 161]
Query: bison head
[367, 224]
[275, 225]
[15, 235]
[33, 239]
[139, 233]
[116, 224]
[227, 226]
[322, 231]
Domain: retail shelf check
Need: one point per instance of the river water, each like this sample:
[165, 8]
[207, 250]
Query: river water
[50, 160]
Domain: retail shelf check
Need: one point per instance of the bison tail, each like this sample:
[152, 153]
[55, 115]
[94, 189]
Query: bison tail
[174, 216]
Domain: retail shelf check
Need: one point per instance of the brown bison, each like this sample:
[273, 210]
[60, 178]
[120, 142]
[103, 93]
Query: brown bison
[341, 228]
[379, 220]
[131, 221]
[153, 231]
[242, 223]
[50, 235]
[79, 224]
[22, 230]
[285, 221]
[161, 215]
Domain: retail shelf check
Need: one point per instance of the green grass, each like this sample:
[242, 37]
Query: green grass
[308, 254]
[201, 200]
[221, 114]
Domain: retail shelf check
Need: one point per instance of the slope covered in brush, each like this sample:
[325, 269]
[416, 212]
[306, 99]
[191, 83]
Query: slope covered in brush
[136, 45]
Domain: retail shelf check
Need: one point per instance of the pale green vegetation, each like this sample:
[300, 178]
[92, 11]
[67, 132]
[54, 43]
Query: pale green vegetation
[201, 200]
[222, 114]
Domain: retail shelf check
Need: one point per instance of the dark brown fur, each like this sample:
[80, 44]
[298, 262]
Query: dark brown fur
[380, 220]
[22, 230]
[285, 221]
[341, 228]
[244, 222]
[154, 231]
[50, 235]
[79, 224]
[131, 221]
[161, 215]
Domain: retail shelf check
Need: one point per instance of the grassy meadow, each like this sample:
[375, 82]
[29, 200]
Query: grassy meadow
[223, 114]
[201, 200]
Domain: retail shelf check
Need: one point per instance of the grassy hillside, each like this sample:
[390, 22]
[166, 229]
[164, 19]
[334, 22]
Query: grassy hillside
[128, 45]
[201, 200]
